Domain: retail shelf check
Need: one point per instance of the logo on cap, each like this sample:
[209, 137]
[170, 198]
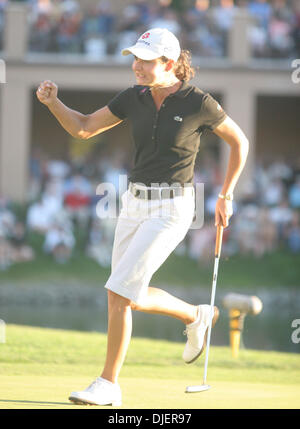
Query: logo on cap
[145, 36]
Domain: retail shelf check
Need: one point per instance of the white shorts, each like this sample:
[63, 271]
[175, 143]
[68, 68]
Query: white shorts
[147, 232]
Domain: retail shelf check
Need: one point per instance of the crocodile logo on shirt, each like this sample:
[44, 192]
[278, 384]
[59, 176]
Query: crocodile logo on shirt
[178, 118]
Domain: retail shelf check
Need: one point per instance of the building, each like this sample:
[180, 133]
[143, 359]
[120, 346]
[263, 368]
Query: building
[260, 95]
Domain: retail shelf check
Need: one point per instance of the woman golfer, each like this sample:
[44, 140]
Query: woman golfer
[167, 116]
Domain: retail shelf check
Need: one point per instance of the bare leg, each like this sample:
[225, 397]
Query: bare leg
[120, 323]
[160, 302]
[118, 335]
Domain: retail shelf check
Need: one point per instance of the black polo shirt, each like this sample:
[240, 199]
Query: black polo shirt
[166, 141]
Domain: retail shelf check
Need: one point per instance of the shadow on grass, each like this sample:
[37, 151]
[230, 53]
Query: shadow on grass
[17, 401]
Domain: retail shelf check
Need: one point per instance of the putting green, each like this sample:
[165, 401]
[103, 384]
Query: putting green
[40, 367]
[41, 392]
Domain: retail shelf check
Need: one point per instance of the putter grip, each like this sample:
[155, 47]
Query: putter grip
[219, 240]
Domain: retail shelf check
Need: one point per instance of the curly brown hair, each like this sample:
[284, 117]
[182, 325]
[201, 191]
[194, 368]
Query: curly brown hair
[183, 69]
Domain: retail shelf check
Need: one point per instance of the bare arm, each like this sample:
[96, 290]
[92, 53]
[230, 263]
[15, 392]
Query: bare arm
[231, 133]
[75, 123]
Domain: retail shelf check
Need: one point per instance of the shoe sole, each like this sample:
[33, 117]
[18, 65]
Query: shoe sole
[214, 321]
[78, 401]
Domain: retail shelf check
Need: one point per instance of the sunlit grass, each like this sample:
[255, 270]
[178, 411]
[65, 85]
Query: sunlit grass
[39, 367]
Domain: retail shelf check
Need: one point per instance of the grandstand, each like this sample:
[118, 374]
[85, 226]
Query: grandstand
[257, 92]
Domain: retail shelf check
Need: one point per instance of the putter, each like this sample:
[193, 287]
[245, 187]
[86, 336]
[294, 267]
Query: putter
[204, 386]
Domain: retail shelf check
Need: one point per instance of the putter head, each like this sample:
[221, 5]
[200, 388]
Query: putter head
[195, 389]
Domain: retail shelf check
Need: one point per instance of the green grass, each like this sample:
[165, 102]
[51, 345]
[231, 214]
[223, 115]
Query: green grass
[280, 269]
[39, 367]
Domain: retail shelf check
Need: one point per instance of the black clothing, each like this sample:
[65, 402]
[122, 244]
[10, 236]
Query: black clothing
[166, 141]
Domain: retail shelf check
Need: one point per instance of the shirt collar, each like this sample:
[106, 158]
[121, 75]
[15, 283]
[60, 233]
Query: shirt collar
[183, 91]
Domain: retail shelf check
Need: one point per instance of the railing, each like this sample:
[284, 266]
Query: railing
[17, 35]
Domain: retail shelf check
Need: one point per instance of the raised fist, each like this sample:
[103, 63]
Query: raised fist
[47, 92]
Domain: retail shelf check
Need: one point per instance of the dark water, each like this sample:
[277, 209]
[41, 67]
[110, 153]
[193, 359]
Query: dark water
[270, 330]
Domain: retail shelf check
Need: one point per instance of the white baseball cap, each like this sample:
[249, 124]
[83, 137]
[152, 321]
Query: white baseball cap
[155, 43]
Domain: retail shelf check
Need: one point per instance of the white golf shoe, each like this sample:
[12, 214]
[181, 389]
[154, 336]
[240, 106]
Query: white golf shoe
[196, 333]
[100, 392]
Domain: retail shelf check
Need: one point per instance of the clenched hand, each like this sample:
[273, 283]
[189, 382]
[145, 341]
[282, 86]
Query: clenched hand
[47, 92]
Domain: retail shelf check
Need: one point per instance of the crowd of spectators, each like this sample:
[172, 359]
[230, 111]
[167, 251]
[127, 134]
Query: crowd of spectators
[202, 26]
[63, 199]
[265, 220]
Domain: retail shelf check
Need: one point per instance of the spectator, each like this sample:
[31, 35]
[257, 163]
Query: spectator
[201, 242]
[208, 172]
[280, 30]
[296, 168]
[211, 200]
[293, 234]
[223, 15]
[261, 10]
[40, 36]
[296, 27]
[39, 217]
[70, 6]
[100, 242]
[198, 14]
[266, 234]
[63, 26]
[69, 31]
[77, 198]
[3, 4]
[59, 243]
[90, 24]
[53, 196]
[7, 217]
[5, 253]
[13, 247]
[37, 174]
[35, 167]
[57, 169]
[97, 30]
[144, 11]
[281, 216]
[274, 193]
[168, 19]
[7, 220]
[279, 169]
[294, 194]
[114, 169]
[246, 230]
[20, 250]
[199, 35]
[106, 19]
[129, 29]
[41, 6]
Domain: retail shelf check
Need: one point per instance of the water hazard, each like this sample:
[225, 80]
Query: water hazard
[86, 310]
